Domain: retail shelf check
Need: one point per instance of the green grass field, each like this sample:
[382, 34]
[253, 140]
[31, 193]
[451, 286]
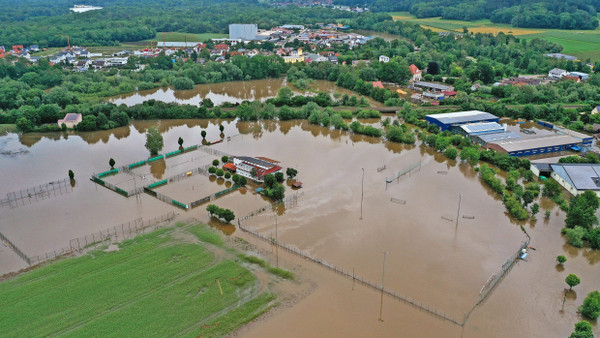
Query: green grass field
[155, 285]
[583, 44]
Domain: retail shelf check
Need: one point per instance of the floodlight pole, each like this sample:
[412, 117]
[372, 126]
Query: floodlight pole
[382, 287]
[362, 192]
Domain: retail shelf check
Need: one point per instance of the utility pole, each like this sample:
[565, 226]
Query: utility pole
[458, 210]
[362, 192]
[382, 287]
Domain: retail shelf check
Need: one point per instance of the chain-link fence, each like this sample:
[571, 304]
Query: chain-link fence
[37, 193]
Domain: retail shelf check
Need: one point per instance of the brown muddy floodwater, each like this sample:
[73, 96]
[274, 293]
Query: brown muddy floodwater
[232, 92]
[429, 258]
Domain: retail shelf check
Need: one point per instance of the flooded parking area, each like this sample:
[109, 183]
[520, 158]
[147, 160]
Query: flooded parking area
[339, 216]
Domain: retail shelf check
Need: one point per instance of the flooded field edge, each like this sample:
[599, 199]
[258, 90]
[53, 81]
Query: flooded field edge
[326, 221]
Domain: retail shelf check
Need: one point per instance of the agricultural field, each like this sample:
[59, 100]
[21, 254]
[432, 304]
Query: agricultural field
[176, 281]
[583, 44]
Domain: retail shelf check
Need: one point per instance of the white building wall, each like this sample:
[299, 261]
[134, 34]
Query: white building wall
[243, 31]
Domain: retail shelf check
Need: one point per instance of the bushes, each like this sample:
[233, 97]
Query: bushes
[591, 305]
[399, 135]
[488, 175]
[368, 114]
[451, 153]
[575, 236]
[225, 214]
[358, 128]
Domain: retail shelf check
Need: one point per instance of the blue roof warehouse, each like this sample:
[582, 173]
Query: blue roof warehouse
[448, 120]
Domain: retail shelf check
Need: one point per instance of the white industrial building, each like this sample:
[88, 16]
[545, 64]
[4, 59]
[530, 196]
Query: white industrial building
[243, 31]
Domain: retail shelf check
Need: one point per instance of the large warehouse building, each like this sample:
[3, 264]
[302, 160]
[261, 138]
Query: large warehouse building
[243, 31]
[448, 120]
[536, 145]
[577, 178]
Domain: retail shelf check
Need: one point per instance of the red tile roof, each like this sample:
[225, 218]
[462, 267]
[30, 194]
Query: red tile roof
[449, 93]
[229, 166]
[377, 84]
[414, 70]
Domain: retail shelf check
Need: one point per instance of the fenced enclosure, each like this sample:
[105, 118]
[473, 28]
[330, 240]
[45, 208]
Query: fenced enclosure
[485, 291]
[37, 193]
[402, 172]
[112, 234]
[352, 275]
[212, 151]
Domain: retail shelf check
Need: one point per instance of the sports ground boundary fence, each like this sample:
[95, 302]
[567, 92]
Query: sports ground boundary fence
[404, 171]
[290, 201]
[112, 234]
[126, 193]
[486, 290]
[355, 278]
[37, 193]
[15, 249]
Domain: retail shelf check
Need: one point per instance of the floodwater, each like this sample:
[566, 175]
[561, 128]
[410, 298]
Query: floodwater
[232, 92]
[429, 258]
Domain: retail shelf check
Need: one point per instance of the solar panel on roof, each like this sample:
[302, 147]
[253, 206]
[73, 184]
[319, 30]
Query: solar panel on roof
[71, 117]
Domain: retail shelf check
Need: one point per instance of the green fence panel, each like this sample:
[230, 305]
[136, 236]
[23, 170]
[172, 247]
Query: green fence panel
[226, 190]
[97, 180]
[110, 172]
[179, 204]
[173, 153]
[122, 192]
[136, 164]
[156, 184]
[191, 148]
[155, 158]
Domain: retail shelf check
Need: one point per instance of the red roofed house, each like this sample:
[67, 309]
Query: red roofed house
[416, 73]
[571, 77]
[245, 166]
[449, 93]
[221, 47]
[377, 84]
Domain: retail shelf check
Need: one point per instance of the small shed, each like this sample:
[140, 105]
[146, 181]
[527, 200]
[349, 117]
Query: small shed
[297, 185]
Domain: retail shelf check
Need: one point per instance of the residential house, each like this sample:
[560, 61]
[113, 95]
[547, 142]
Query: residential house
[295, 56]
[333, 59]
[221, 48]
[557, 74]
[384, 59]
[70, 120]
[259, 166]
[377, 84]
[356, 62]
[416, 73]
[34, 48]
[572, 78]
[596, 110]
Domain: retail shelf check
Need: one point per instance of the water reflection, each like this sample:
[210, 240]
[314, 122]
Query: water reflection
[158, 168]
[232, 92]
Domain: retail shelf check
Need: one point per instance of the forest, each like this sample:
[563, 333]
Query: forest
[570, 14]
[34, 22]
